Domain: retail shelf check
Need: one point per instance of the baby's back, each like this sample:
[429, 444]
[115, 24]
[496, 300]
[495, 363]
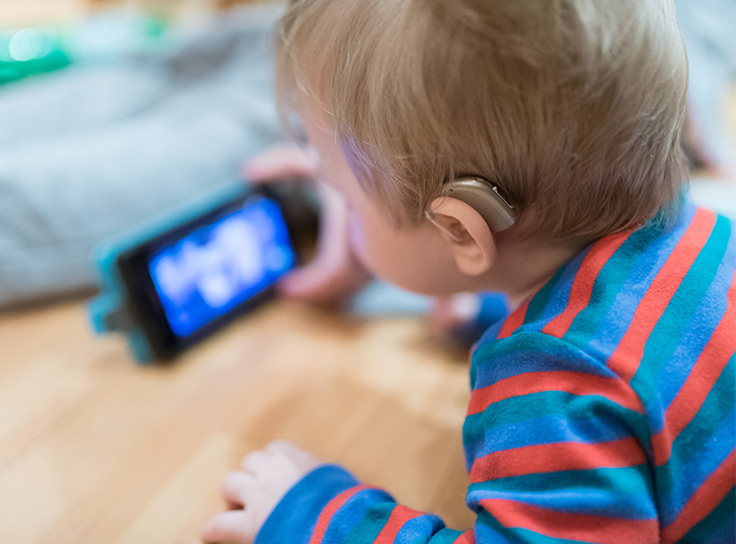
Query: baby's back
[655, 308]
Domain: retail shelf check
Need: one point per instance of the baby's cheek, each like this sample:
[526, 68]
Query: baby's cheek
[378, 247]
[356, 238]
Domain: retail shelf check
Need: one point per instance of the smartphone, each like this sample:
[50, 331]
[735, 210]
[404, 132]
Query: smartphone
[176, 281]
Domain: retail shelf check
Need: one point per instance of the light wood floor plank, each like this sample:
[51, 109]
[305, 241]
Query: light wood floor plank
[94, 448]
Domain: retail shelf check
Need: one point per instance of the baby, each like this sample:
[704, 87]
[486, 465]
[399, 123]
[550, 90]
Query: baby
[530, 148]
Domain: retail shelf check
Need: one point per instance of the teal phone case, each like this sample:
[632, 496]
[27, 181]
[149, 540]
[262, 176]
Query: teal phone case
[111, 311]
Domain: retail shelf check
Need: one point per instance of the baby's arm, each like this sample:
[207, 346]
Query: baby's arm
[253, 492]
[283, 495]
[555, 446]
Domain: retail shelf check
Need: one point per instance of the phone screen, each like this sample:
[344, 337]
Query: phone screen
[215, 268]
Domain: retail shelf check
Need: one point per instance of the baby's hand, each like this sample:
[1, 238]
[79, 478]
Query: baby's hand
[254, 492]
[451, 313]
[334, 274]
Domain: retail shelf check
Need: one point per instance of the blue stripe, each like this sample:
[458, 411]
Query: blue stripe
[702, 463]
[359, 515]
[698, 332]
[531, 352]
[719, 525]
[488, 529]
[680, 310]
[295, 516]
[445, 536]
[596, 427]
[512, 413]
[422, 527]
[557, 302]
[603, 337]
[537, 318]
[641, 248]
[625, 493]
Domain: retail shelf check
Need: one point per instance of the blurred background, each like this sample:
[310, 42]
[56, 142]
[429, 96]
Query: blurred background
[113, 110]
[26, 12]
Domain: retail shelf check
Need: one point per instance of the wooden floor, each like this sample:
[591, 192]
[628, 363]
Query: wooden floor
[94, 449]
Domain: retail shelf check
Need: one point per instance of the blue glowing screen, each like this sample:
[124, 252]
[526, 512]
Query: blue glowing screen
[217, 267]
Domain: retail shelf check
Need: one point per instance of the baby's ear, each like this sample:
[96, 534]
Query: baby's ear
[466, 232]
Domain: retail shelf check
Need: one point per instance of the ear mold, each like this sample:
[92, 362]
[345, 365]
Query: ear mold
[485, 198]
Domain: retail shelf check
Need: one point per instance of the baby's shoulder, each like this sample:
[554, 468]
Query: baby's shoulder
[532, 352]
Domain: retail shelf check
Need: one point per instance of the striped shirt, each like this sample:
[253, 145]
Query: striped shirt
[602, 409]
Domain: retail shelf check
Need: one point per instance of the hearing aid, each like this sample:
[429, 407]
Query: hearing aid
[484, 197]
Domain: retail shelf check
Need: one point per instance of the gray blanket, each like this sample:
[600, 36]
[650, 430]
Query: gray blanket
[93, 149]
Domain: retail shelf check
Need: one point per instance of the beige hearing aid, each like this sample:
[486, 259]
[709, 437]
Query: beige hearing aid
[482, 195]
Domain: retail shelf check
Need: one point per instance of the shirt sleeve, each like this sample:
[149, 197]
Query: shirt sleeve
[556, 448]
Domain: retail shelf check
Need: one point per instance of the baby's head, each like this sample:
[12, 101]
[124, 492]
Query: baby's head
[573, 108]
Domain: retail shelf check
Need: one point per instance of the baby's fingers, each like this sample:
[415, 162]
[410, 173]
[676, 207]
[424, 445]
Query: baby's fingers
[233, 526]
[256, 462]
[235, 488]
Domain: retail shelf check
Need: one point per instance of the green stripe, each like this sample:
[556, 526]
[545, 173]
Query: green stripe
[721, 514]
[515, 534]
[368, 528]
[533, 346]
[551, 403]
[445, 536]
[626, 493]
[622, 479]
[539, 303]
[669, 330]
[609, 284]
[689, 443]
[525, 341]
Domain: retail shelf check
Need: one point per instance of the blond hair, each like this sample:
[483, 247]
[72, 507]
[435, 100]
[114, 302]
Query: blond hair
[573, 107]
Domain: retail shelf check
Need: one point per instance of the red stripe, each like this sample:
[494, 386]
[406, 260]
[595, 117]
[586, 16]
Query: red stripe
[332, 507]
[582, 285]
[568, 526]
[468, 537]
[703, 376]
[398, 518]
[514, 321]
[560, 456]
[625, 360]
[703, 501]
[575, 383]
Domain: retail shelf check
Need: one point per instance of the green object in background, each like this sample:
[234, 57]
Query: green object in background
[110, 36]
[30, 51]
[99, 38]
